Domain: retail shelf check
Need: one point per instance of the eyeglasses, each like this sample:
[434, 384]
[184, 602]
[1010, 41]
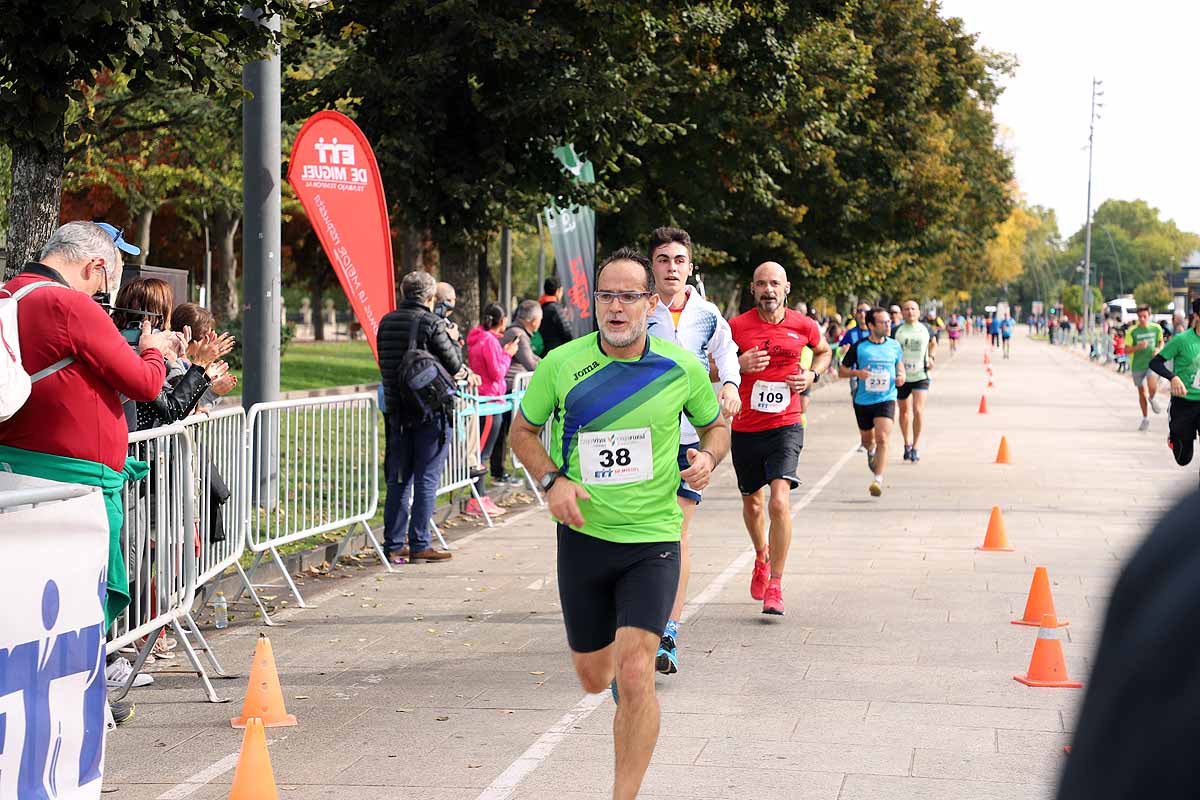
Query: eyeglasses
[626, 298]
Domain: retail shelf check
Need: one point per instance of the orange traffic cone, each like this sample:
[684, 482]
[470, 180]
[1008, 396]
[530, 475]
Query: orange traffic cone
[1002, 456]
[990, 384]
[983, 404]
[264, 697]
[987, 359]
[996, 539]
[1047, 667]
[1040, 602]
[253, 779]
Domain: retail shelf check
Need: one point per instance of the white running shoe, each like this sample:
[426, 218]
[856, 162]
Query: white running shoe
[1154, 405]
[118, 673]
[1144, 425]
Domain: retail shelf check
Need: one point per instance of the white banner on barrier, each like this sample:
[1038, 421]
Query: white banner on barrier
[52, 681]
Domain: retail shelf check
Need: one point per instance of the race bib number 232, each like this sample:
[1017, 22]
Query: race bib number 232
[616, 456]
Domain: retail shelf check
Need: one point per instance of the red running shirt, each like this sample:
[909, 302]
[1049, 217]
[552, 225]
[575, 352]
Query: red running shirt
[766, 390]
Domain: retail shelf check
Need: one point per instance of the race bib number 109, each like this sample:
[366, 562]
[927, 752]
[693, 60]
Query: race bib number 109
[770, 397]
[616, 456]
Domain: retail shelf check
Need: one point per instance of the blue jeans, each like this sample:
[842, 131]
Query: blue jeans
[415, 459]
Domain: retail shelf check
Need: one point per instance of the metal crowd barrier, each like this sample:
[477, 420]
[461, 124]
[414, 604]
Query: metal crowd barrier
[520, 386]
[462, 454]
[313, 466]
[159, 541]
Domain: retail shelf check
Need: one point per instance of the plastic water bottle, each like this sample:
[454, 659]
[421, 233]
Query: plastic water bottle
[221, 611]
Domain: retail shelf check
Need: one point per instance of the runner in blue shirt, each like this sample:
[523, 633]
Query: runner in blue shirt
[878, 364]
[1006, 330]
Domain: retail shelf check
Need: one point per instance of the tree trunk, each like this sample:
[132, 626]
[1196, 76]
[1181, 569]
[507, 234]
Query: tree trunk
[144, 219]
[410, 251]
[33, 205]
[225, 294]
[461, 270]
[485, 277]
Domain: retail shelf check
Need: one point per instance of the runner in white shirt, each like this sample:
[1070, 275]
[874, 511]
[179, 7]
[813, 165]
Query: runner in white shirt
[684, 317]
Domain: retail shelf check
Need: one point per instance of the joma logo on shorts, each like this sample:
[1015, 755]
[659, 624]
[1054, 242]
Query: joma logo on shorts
[592, 367]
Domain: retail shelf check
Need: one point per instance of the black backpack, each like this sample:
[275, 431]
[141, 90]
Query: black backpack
[424, 386]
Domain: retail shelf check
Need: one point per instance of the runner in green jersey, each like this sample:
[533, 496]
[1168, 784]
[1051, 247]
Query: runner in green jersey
[919, 346]
[614, 399]
[1184, 352]
[1143, 341]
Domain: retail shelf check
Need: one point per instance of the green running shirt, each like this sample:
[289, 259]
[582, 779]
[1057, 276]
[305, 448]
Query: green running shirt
[914, 341]
[615, 430]
[1151, 334]
[1184, 351]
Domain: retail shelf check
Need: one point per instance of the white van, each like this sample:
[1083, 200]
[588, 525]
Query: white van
[1123, 309]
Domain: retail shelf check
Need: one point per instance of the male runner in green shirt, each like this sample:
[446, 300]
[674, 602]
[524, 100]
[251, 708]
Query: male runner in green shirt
[919, 345]
[1143, 341]
[614, 400]
[1184, 352]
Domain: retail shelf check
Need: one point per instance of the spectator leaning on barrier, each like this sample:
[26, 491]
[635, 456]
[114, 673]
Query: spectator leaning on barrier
[556, 329]
[416, 451]
[491, 361]
[526, 323]
[201, 324]
[72, 429]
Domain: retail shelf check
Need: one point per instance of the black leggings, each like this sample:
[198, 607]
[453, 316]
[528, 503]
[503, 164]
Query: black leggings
[1184, 425]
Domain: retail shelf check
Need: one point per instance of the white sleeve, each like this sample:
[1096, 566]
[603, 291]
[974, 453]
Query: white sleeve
[724, 352]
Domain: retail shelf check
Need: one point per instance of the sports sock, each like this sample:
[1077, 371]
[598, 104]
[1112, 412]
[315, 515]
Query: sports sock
[672, 628]
[879, 479]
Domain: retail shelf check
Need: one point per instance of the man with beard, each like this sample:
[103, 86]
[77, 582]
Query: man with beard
[613, 399]
[768, 434]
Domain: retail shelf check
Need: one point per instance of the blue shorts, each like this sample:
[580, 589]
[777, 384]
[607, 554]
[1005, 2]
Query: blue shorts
[684, 490]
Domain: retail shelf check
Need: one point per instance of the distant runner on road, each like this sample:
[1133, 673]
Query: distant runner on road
[613, 399]
[919, 348]
[878, 364]
[768, 435]
[685, 318]
[1184, 352]
[1143, 341]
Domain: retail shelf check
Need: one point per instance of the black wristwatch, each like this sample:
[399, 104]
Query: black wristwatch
[816, 375]
[549, 478]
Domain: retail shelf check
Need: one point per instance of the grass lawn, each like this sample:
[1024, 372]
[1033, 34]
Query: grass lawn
[317, 365]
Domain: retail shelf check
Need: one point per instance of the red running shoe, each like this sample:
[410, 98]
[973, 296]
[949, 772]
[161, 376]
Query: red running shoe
[773, 602]
[758, 581]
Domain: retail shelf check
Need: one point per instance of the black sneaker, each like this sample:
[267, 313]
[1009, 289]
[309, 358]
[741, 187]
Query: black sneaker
[122, 711]
[907, 452]
[667, 659]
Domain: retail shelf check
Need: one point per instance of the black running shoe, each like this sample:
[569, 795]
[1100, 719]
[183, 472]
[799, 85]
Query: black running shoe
[122, 711]
[667, 659]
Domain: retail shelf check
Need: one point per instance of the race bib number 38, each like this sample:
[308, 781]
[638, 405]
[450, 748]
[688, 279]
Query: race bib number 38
[616, 456]
[770, 397]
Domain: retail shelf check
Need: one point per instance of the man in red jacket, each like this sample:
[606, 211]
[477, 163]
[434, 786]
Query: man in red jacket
[72, 428]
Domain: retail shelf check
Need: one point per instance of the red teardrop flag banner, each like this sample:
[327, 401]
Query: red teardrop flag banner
[334, 172]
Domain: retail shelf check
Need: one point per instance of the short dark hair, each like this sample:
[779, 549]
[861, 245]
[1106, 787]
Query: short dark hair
[873, 315]
[551, 285]
[628, 254]
[197, 317]
[1143, 308]
[668, 235]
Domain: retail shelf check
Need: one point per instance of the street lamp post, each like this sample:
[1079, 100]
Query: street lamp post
[1087, 237]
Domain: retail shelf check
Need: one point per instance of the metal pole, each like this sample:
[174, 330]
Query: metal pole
[1120, 280]
[261, 232]
[207, 262]
[541, 257]
[1087, 238]
[506, 289]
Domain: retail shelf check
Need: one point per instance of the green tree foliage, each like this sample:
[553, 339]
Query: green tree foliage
[51, 52]
[1154, 293]
[1072, 298]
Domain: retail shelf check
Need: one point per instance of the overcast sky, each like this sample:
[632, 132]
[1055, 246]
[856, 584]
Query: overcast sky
[1147, 137]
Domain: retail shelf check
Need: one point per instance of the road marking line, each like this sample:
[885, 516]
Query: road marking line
[205, 776]
[537, 585]
[503, 787]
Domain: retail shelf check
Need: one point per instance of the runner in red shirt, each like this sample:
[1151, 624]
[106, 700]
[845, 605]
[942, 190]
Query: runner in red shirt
[768, 434]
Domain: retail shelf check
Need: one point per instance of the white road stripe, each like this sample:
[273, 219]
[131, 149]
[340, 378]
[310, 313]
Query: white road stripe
[503, 787]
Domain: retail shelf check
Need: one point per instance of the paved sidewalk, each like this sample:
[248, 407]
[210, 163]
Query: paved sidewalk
[890, 677]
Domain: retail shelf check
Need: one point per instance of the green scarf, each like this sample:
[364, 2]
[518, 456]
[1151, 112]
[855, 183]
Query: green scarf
[89, 473]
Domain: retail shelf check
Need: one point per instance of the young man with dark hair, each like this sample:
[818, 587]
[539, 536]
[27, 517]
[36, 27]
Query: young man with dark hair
[1143, 341]
[1184, 353]
[878, 364]
[683, 317]
[614, 399]
[556, 328]
[767, 433]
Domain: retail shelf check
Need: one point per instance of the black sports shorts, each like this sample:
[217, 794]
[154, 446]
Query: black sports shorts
[866, 415]
[605, 585]
[902, 392]
[760, 457]
[1183, 426]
